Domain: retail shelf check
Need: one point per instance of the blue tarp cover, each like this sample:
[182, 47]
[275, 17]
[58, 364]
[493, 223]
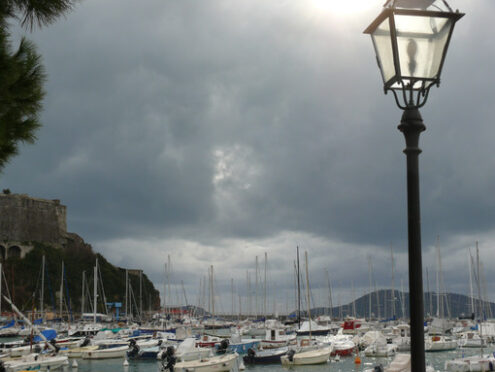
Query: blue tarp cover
[8, 325]
[49, 334]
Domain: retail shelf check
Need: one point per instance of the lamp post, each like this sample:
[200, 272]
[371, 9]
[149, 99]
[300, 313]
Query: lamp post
[411, 39]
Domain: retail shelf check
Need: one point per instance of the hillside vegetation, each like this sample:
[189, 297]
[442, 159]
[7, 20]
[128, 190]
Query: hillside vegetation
[23, 278]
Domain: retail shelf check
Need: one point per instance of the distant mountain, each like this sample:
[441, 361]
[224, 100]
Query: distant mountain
[453, 305]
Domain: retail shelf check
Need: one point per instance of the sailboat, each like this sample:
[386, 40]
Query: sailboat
[35, 361]
[477, 363]
[308, 351]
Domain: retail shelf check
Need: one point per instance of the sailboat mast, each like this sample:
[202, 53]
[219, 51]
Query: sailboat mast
[330, 303]
[127, 295]
[393, 279]
[141, 294]
[212, 293]
[256, 291]
[250, 303]
[307, 291]
[232, 290]
[164, 288]
[42, 285]
[429, 292]
[438, 280]
[353, 300]
[169, 270]
[265, 310]
[471, 282]
[95, 288]
[298, 291]
[62, 291]
[479, 294]
[369, 277]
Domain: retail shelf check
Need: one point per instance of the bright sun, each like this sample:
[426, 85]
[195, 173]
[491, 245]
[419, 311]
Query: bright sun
[342, 7]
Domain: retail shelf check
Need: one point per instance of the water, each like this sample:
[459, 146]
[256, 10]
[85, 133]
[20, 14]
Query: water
[346, 364]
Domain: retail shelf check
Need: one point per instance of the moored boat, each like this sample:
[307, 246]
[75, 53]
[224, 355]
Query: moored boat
[309, 356]
[35, 361]
[106, 352]
[265, 356]
[221, 363]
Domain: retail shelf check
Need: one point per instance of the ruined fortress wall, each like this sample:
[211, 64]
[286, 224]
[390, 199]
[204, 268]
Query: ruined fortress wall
[24, 219]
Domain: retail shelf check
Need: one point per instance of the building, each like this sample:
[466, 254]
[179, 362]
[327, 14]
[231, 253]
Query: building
[24, 220]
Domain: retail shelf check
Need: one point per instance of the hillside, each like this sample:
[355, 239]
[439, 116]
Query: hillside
[454, 305]
[23, 278]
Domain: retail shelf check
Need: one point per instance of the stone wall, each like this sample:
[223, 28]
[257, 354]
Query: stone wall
[26, 219]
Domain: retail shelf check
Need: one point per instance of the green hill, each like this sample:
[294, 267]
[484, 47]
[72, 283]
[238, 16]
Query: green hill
[22, 279]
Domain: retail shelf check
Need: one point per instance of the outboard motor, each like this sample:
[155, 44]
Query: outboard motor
[290, 355]
[250, 355]
[2, 367]
[222, 348]
[85, 342]
[133, 351]
[168, 359]
[54, 344]
[37, 348]
[378, 368]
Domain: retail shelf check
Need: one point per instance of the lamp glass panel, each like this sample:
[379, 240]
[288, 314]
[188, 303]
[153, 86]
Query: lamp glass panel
[421, 41]
[383, 49]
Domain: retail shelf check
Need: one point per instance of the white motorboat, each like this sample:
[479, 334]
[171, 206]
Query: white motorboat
[440, 343]
[221, 363]
[276, 337]
[105, 352]
[401, 363]
[470, 339]
[308, 356]
[380, 349]
[36, 362]
[78, 351]
[187, 350]
[471, 364]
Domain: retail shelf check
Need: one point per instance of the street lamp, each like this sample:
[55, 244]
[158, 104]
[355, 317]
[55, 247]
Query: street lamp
[411, 38]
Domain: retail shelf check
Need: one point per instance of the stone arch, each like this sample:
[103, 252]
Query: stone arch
[14, 252]
[2, 252]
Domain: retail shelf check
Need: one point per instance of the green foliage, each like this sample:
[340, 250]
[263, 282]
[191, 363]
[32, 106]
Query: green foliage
[31, 12]
[21, 92]
[21, 73]
[24, 279]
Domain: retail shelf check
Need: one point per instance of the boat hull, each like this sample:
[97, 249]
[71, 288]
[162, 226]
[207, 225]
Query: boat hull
[214, 364]
[307, 357]
[115, 352]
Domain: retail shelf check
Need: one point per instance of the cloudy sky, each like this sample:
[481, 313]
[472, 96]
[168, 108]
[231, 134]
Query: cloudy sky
[214, 131]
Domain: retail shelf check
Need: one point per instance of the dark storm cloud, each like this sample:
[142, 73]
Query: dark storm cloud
[203, 129]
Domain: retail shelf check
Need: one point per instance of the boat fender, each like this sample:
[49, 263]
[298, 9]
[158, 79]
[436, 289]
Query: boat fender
[290, 355]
